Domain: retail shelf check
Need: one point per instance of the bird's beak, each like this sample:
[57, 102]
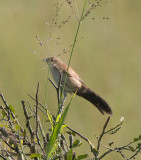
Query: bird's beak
[44, 60]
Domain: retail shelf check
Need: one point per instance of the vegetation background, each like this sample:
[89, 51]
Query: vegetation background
[107, 58]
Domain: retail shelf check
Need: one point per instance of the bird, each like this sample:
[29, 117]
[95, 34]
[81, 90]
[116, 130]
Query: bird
[74, 83]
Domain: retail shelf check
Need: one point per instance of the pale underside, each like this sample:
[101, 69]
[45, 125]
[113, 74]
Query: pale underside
[73, 81]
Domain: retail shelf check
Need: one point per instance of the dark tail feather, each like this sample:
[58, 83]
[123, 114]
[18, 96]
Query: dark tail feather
[95, 99]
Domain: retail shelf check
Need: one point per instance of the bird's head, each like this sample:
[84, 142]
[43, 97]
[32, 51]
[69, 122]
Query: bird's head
[51, 61]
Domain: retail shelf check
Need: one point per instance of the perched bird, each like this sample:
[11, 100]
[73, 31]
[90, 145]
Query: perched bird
[75, 84]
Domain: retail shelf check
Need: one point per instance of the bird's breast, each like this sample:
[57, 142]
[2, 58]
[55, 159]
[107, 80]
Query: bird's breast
[55, 74]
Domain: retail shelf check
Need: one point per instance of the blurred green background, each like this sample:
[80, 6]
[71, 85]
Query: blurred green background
[107, 58]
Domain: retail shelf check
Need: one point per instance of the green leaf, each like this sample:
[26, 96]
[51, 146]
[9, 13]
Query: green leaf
[1, 125]
[71, 132]
[139, 136]
[17, 127]
[76, 143]
[56, 131]
[82, 156]
[95, 151]
[139, 145]
[58, 117]
[136, 139]
[3, 113]
[50, 118]
[111, 143]
[35, 155]
[131, 148]
[12, 109]
[70, 155]
[63, 126]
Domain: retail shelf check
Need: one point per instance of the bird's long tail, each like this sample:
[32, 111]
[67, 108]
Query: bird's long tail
[95, 99]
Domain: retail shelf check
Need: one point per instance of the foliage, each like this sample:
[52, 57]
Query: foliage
[15, 139]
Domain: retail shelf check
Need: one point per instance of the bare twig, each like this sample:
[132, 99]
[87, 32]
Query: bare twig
[40, 105]
[13, 148]
[38, 101]
[103, 132]
[135, 154]
[22, 152]
[2, 157]
[32, 134]
[84, 138]
[37, 121]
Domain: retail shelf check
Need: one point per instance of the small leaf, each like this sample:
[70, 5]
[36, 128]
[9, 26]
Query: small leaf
[62, 128]
[110, 143]
[17, 127]
[3, 113]
[136, 139]
[50, 118]
[21, 141]
[35, 155]
[139, 136]
[1, 125]
[139, 145]
[58, 117]
[70, 155]
[24, 133]
[71, 133]
[131, 148]
[82, 156]
[76, 143]
[12, 109]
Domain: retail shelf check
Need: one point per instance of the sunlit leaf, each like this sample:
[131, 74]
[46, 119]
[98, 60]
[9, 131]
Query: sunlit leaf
[35, 155]
[12, 109]
[82, 156]
[63, 126]
[21, 141]
[50, 119]
[17, 127]
[1, 125]
[70, 155]
[56, 131]
[58, 117]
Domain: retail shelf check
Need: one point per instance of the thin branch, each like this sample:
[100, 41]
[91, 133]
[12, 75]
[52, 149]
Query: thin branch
[52, 83]
[135, 154]
[15, 149]
[38, 101]
[110, 130]
[40, 105]
[37, 121]
[22, 152]
[84, 138]
[32, 134]
[103, 132]
[2, 157]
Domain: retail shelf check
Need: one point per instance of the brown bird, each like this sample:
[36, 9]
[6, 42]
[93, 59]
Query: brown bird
[75, 84]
